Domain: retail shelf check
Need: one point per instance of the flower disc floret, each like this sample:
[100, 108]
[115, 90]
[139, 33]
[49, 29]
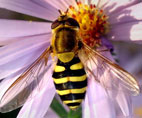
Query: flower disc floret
[93, 23]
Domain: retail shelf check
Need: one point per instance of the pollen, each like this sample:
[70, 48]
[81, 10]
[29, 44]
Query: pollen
[93, 23]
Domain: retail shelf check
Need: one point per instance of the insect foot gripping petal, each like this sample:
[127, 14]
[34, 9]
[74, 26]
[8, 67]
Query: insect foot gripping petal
[70, 81]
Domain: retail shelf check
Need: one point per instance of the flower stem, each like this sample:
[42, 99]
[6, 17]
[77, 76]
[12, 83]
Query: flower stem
[58, 108]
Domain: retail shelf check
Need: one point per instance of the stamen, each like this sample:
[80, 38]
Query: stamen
[93, 23]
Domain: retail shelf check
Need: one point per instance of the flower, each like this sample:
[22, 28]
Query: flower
[24, 41]
[137, 106]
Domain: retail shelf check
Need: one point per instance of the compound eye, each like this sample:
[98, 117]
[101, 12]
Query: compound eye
[55, 24]
[72, 22]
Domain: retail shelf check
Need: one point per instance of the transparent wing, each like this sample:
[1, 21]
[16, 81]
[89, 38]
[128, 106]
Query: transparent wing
[21, 89]
[110, 75]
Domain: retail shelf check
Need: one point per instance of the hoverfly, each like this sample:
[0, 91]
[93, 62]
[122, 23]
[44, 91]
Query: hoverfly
[75, 63]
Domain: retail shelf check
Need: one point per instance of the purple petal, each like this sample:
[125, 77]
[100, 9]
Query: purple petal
[114, 6]
[17, 95]
[120, 98]
[137, 104]
[132, 13]
[125, 103]
[62, 4]
[21, 53]
[38, 106]
[98, 3]
[4, 85]
[98, 102]
[107, 44]
[15, 28]
[37, 8]
[115, 103]
[85, 1]
[7, 82]
[131, 31]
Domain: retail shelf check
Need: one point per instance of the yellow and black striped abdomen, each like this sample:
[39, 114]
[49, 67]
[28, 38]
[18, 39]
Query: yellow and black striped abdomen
[70, 81]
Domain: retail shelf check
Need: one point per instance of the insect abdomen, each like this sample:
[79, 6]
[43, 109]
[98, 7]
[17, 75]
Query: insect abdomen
[70, 82]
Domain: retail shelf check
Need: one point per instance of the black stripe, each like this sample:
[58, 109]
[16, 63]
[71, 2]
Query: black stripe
[68, 73]
[65, 28]
[67, 65]
[73, 104]
[71, 85]
[73, 96]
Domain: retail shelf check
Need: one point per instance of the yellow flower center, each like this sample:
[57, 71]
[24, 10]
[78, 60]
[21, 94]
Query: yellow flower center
[93, 23]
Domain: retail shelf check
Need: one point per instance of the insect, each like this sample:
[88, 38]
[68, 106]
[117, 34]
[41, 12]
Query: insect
[69, 75]
[75, 63]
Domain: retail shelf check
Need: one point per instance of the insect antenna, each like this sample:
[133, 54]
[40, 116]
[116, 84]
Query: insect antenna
[63, 13]
[66, 12]
[60, 12]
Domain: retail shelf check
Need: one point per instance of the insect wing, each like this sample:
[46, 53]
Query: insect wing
[23, 86]
[108, 74]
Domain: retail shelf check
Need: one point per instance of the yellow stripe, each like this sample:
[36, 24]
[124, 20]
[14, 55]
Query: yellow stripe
[76, 66]
[59, 68]
[72, 101]
[65, 92]
[72, 79]
[66, 56]
[73, 107]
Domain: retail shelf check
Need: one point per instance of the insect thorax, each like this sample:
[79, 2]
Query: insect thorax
[65, 40]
